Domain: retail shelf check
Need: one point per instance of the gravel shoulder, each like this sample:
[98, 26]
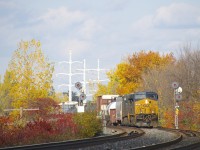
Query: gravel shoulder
[151, 137]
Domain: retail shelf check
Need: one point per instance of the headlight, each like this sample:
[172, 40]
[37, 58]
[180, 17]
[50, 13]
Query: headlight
[146, 101]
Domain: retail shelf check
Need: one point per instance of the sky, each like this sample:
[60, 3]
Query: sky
[107, 30]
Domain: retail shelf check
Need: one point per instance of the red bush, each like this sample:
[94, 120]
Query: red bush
[58, 128]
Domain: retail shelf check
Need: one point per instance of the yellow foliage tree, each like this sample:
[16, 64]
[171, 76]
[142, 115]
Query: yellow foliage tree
[60, 97]
[102, 90]
[5, 98]
[32, 73]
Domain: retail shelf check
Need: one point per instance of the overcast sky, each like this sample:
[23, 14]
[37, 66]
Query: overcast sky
[92, 29]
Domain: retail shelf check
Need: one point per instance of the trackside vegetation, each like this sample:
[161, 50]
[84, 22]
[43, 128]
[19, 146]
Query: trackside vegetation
[32, 112]
[151, 71]
[27, 83]
[59, 127]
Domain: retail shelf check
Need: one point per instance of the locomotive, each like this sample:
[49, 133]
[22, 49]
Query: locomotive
[137, 109]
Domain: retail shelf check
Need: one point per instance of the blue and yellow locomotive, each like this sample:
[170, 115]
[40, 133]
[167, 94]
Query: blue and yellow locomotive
[137, 109]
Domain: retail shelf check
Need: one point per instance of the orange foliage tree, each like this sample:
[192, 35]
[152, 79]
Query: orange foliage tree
[186, 71]
[189, 115]
[127, 76]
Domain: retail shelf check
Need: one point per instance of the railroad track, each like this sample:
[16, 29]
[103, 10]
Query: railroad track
[156, 139]
[190, 140]
[178, 137]
[77, 144]
[128, 138]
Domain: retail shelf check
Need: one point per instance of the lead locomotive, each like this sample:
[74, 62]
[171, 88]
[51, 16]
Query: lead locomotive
[137, 109]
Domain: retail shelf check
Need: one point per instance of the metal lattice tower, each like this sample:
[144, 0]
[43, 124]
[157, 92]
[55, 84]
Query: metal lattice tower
[98, 74]
[70, 74]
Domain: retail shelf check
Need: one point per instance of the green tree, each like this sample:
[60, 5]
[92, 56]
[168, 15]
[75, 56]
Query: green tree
[32, 74]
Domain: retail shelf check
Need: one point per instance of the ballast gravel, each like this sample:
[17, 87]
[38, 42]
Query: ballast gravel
[151, 137]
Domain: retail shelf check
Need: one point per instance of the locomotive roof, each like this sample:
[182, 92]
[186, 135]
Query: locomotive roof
[143, 92]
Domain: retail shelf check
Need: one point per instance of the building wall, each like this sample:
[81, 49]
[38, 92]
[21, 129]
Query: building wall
[103, 101]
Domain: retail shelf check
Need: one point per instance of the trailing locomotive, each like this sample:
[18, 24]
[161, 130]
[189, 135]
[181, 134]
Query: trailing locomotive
[137, 109]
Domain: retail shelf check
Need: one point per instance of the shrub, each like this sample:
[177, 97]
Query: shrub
[88, 124]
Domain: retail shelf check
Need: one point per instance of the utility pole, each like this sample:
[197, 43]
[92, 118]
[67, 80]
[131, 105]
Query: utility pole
[70, 74]
[84, 74]
[98, 72]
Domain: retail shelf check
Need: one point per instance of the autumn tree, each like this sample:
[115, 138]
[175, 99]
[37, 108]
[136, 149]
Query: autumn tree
[127, 76]
[32, 73]
[160, 80]
[5, 93]
[61, 97]
[188, 71]
[185, 71]
[47, 106]
[188, 75]
[102, 90]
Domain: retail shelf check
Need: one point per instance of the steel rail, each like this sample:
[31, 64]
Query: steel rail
[63, 144]
[74, 144]
[188, 133]
[188, 147]
[163, 144]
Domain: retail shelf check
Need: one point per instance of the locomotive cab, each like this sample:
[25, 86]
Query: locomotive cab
[146, 108]
[137, 109]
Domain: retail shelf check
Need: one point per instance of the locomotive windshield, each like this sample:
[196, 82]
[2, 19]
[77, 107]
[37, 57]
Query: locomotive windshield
[152, 96]
[143, 95]
[140, 96]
